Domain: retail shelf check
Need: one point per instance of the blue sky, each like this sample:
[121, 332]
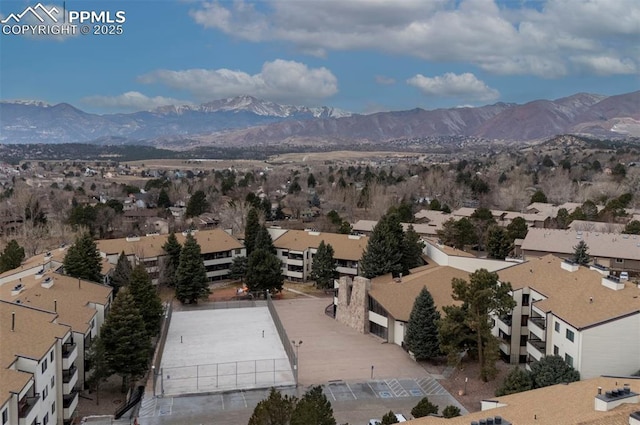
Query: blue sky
[358, 55]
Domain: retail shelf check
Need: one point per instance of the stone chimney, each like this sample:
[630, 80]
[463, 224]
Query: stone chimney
[352, 303]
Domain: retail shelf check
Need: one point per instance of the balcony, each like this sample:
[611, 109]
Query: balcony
[26, 413]
[504, 324]
[537, 326]
[69, 355]
[69, 380]
[536, 348]
[69, 403]
[295, 261]
[505, 347]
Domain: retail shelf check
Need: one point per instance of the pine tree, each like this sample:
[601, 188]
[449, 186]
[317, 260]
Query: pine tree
[264, 271]
[98, 366]
[238, 269]
[422, 329]
[482, 296]
[11, 257]
[551, 370]
[197, 204]
[126, 343]
[424, 408]
[539, 196]
[498, 243]
[412, 247]
[163, 199]
[389, 418]
[632, 228]
[516, 381]
[83, 259]
[313, 408]
[581, 253]
[146, 299]
[517, 229]
[121, 274]
[450, 412]
[323, 268]
[172, 247]
[274, 410]
[251, 230]
[384, 251]
[264, 241]
[191, 275]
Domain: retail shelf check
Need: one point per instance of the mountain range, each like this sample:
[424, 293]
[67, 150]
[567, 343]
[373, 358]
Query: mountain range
[245, 120]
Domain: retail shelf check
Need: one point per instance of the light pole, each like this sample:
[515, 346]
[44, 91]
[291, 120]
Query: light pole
[295, 365]
[153, 371]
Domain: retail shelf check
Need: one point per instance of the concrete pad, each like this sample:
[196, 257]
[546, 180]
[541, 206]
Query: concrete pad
[222, 350]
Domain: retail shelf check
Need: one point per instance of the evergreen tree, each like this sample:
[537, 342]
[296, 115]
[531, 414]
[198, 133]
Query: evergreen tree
[563, 218]
[251, 230]
[424, 408]
[412, 247]
[121, 274]
[498, 243]
[323, 268]
[83, 259]
[127, 345]
[264, 241]
[632, 228]
[516, 381]
[422, 329]
[11, 257]
[163, 199]
[539, 196]
[517, 229]
[197, 204]
[389, 418]
[482, 296]
[98, 366]
[551, 370]
[264, 271]
[238, 269]
[450, 412]
[581, 253]
[173, 248]
[191, 275]
[454, 334]
[311, 180]
[384, 251]
[274, 410]
[146, 299]
[313, 409]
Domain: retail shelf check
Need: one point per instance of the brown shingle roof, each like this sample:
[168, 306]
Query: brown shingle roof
[568, 293]
[71, 296]
[606, 245]
[215, 240]
[345, 247]
[563, 404]
[398, 297]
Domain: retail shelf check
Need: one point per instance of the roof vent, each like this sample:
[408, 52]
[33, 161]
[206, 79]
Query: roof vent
[614, 398]
[569, 265]
[612, 282]
[132, 238]
[47, 283]
[17, 289]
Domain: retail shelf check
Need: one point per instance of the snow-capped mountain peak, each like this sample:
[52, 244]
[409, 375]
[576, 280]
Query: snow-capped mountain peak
[27, 102]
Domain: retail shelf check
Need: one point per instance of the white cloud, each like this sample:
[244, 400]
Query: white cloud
[278, 81]
[503, 40]
[606, 65]
[132, 101]
[386, 81]
[463, 86]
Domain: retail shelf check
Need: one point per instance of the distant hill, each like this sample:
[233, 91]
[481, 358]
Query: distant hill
[245, 120]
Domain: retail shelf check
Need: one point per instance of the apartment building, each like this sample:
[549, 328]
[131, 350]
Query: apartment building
[598, 401]
[617, 252]
[78, 304]
[218, 250]
[37, 373]
[584, 315]
[296, 249]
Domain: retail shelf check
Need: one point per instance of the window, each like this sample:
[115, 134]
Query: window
[45, 419]
[525, 299]
[51, 356]
[619, 260]
[523, 340]
[53, 408]
[568, 359]
[53, 381]
[570, 335]
[44, 365]
[45, 392]
[524, 320]
[5, 416]
[556, 350]
[556, 326]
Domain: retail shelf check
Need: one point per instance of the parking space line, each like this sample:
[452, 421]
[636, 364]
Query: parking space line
[352, 393]
[244, 399]
[222, 400]
[331, 392]
[374, 391]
